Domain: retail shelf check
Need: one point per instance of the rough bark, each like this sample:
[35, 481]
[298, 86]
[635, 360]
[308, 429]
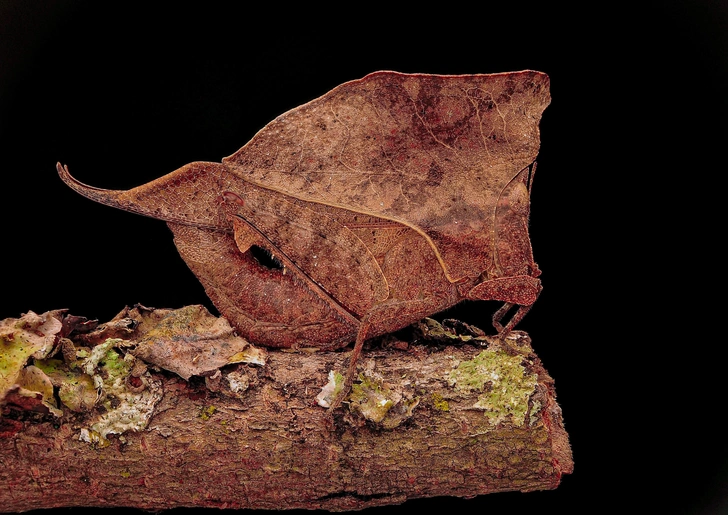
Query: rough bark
[436, 412]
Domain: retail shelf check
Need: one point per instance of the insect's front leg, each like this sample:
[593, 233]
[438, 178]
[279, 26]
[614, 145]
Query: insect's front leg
[515, 319]
[498, 316]
[519, 290]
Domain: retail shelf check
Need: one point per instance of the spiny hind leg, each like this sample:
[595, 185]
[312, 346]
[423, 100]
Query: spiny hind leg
[385, 318]
[361, 337]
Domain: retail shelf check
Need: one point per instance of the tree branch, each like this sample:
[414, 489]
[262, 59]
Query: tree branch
[160, 408]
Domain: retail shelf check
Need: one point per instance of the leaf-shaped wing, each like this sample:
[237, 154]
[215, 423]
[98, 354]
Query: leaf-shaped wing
[432, 152]
[319, 246]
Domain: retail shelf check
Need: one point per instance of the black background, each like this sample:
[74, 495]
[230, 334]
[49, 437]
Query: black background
[622, 209]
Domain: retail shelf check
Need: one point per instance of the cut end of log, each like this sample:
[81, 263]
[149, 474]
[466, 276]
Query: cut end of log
[158, 409]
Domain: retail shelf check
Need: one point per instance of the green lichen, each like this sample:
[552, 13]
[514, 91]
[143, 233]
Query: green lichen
[439, 402]
[207, 412]
[103, 355]
[13, 356]
[433, 330]
[378, 403]
[371, 399]
[30, 335]
[400, 412]
[533, 415]
[503, 381]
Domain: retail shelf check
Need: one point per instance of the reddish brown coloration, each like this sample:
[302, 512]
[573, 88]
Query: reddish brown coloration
[246, 436]
[386, 200]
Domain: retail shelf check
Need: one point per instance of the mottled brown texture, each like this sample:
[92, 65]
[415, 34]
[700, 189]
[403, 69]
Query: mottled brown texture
[388, 199]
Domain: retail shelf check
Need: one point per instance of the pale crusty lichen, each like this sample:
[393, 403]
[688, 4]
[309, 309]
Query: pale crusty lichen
[503, 381]
[371, 399]
[330, 390]
[126, 409]
[238, 382]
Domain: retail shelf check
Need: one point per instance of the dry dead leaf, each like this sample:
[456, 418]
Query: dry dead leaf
[20, 338]
[190, 341]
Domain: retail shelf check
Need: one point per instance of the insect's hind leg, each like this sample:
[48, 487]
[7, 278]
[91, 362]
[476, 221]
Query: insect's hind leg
[351, 371]
[385, 318]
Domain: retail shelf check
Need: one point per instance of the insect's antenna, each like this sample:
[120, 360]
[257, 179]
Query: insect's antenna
[102, 196]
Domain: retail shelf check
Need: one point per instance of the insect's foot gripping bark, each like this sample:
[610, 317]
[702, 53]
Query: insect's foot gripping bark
[351, 371]
[498, 318]
[503, 331]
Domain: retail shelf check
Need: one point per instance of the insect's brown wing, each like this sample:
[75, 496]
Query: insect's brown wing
[433, 152]
[266, 306]
[318, 245]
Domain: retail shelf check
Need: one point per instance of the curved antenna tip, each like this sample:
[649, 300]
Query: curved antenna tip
[63, 171]
[70, 180]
